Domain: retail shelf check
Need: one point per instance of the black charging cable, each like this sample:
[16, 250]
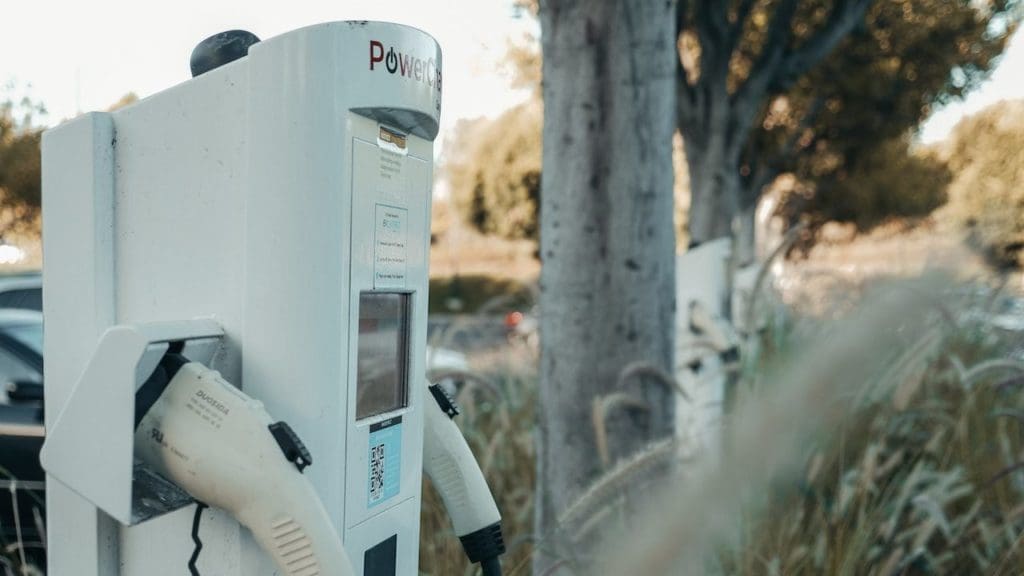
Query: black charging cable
[145, 397]
[195, 538]
[490, 567]
[485, 546]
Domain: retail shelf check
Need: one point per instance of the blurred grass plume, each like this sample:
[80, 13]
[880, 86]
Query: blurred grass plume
[885, 439]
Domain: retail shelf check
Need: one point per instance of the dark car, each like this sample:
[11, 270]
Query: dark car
[23, 291]
[21, 433]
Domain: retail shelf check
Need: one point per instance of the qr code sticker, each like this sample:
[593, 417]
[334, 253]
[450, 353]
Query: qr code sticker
[377, 459]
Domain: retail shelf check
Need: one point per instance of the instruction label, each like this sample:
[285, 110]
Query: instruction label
[385, 461]
[390, 241]
[391, 177]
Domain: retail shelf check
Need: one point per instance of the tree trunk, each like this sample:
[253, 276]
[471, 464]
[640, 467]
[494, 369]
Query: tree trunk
[607, 245]
[745, 232]
[722, 205]
[715, 187]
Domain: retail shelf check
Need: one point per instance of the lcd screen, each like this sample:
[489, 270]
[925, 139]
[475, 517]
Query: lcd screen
[382, 367]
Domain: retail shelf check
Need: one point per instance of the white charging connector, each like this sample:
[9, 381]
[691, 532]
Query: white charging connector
[455, 473]
[224, 449]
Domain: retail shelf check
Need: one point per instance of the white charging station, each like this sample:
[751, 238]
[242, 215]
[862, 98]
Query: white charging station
[274, 214]
[702, 338]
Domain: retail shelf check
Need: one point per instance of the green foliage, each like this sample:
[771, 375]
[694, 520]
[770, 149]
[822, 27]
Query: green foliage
[495, 166]
[922, 477]
[889, 181]
[476, 293]
[986, 154]
[495, 172]
[908, 56]
[20, 163]
[881, 83]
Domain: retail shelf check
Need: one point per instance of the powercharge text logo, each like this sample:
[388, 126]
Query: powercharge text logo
[406, 65]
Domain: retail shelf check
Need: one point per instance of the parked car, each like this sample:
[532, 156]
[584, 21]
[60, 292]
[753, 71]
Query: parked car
[523, 326]
[21, 432]
[22, 291]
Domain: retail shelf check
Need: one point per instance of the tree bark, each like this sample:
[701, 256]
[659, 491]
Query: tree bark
[745, 232]
[607, 245]
[715, 192]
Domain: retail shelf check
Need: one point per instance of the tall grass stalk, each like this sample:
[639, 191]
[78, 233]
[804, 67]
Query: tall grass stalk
[18, 557]
[886, 440]
[765, 433]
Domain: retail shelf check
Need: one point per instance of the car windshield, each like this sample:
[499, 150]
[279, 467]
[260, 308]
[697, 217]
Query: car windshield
[30, 335]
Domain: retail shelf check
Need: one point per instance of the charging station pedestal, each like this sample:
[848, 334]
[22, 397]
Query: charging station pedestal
[699, 369]
[283, 200]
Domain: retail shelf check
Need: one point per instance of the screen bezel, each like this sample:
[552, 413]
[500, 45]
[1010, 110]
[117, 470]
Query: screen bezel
[402, 356]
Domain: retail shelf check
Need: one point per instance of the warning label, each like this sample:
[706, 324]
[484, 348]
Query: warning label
[390, 240]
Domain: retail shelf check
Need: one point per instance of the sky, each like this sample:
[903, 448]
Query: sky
[1006, 83]
[76, 56]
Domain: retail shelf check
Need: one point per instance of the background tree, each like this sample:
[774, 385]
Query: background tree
[829, 128]
[607, 242]
[126, 100]
[891, 180]
[813, 86]
[21, 162]
[20, 185]
[494, 170]
[986, 156]
[494, 166]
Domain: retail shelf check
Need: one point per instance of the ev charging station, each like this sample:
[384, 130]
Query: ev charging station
[268, 219]
[705, 344]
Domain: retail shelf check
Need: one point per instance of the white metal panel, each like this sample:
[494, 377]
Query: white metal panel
[78, 305]
[181, 162]
[100, 413]
[369, 192]
[403, 520]
[701, 276]
[297, 253]
[366, 526]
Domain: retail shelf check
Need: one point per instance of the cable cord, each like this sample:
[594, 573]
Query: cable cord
[195, 538]
[490, 566]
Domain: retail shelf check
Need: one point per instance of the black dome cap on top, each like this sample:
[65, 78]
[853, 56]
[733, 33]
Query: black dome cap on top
[220, 49]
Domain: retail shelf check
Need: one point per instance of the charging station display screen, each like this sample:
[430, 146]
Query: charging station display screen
[382, 366]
